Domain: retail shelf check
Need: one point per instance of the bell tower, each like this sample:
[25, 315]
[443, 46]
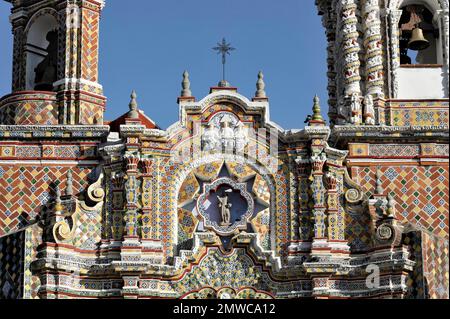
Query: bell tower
[55, 64]
[388, 77]
[383, 53]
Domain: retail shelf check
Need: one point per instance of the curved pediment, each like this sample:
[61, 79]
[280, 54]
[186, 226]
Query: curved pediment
[241, 106]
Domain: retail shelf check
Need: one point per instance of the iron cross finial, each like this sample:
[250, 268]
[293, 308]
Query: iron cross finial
[223, 48]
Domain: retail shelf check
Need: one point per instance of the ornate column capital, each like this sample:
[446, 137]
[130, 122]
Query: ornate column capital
[147, 166]
[132, 163]
[317, 163]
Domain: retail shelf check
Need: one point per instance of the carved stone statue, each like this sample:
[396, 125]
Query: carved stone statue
[227, 135]
[343, 113]
[241, 137]
[369, 112]
[225, 212]
[46, 70]
[211, 138]
[355, 106]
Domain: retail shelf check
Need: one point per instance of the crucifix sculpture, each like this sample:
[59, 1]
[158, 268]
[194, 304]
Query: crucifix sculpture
[223, 48]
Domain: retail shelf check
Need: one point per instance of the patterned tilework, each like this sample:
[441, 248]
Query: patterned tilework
[283, 210]
[89, 44]
[18, 61]
[394, 150]
[341, 225]
[419, 113]
[11, 266]
[421, 193]
[209, 171]
[189, 189]
[235, 270]
[241, 171]
[48, 151]
[217, 270]
[33, 238]
[166, 210]
[25, 190]
[89, 230]
[261, 190]
[415, 282]
[436, 263]
[442, 149]
[305, 206]
[187, 223]
[261, 225]
[357, 231]
[419, 117]
[91, 114]
[28, 110]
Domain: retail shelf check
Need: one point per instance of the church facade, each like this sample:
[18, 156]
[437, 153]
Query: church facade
[225, 203]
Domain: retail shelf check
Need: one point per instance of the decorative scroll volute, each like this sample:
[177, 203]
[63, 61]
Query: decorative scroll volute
[388, 230]
[354, 196]
[95, 195]
[64, 230]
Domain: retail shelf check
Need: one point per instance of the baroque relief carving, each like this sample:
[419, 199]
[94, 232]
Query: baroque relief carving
[224, 132]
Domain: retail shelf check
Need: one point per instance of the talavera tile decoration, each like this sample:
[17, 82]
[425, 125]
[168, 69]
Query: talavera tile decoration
[224, 203]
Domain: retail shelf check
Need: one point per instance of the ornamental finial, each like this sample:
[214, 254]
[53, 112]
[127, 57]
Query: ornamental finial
[379, 189]
[260, 86]
[58, 206]
[317, 113]
[69, 188]
[133, 114]
[186, 85]
[391, 206]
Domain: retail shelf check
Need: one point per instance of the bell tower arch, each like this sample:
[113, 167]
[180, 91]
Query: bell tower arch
[55, 64]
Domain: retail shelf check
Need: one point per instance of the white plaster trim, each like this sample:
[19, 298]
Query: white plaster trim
[339, 246]
[67, 81]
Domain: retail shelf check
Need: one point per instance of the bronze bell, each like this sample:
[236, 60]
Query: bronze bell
[418, 41]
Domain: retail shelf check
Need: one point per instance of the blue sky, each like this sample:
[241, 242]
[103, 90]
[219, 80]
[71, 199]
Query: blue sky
[146, 46]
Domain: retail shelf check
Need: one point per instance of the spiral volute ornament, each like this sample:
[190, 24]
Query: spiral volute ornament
[385, 232]
[353, 196]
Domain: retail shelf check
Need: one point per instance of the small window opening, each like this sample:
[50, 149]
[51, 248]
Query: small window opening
[45, 71]
[42, 54]
[418, 36]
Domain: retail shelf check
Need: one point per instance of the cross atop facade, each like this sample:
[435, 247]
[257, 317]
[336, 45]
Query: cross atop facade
[223, 48]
